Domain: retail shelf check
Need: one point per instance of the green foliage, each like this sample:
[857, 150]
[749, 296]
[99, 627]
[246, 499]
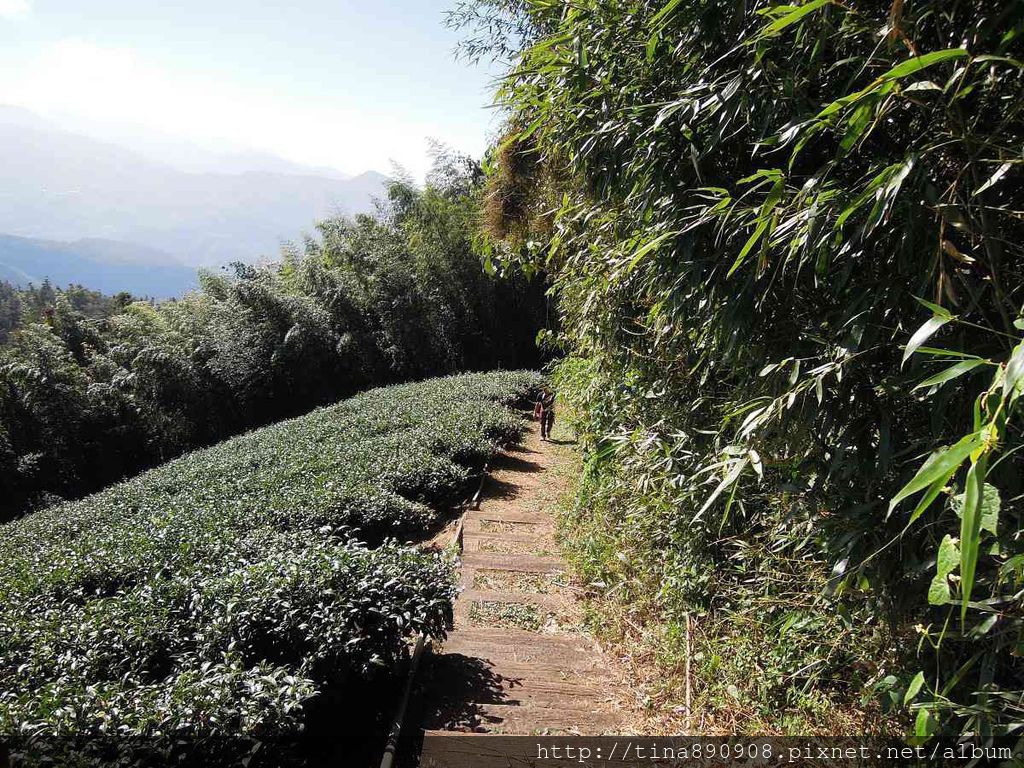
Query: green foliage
[195, 612]
[89, 397]
[750, 198]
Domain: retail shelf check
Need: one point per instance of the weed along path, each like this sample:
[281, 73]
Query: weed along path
[517, 661]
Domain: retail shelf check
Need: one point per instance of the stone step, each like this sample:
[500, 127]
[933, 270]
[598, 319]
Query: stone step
[500, 637]
[546, 660]
[493, 561]
[470, 596]
[472, 675]
[533, 673]
[444, 749]
[476, 542]
[498, 514]
[509, 718]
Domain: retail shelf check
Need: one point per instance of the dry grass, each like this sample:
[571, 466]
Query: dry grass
[504, 526]
[507, 615]
[518, 581]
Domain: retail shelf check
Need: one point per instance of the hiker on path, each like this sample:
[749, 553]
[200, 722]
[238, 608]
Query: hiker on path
[545, 411]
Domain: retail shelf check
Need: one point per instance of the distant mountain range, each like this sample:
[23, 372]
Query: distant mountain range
[107, 266]
[89, 199]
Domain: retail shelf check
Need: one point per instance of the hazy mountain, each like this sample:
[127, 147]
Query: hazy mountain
[64, 186]
[107, 266]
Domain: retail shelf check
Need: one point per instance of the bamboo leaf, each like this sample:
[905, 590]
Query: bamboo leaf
[778, 25]
[916, 64]
[994, 178]
[922, 335]
[940, 466]
[922, 85]
[1014, 371]
[751, 242]
[970, 530]
[986, 58]
[648, 247]
[950, 373]
[729, 479]
[951, 353]
[937, 310]
[928, 497]
[908, 67]
[661, 17]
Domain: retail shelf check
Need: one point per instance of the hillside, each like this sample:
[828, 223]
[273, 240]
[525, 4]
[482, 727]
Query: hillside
[107, 266]
[91, 397]
[225, 608]
[58, 185]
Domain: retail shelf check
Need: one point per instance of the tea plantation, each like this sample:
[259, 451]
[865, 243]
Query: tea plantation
[195, 614]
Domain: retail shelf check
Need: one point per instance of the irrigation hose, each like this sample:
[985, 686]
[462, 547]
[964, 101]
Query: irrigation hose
[396, 726]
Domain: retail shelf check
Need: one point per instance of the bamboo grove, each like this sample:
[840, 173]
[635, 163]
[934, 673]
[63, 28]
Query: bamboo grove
[93, 390]
[786, 245]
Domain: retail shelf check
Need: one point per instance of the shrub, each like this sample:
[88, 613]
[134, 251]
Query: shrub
[200, 607]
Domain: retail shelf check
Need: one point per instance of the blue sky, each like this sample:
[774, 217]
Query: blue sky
[350, 85]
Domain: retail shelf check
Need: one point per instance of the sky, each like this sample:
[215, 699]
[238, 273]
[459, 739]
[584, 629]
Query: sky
[352, 85]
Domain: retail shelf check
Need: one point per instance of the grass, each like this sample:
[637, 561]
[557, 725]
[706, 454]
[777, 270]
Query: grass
[739, 662]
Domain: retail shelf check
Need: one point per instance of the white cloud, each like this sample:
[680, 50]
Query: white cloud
[115, 85]
[13, 8]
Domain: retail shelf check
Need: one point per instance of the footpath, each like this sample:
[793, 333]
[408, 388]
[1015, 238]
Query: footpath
[517, 661]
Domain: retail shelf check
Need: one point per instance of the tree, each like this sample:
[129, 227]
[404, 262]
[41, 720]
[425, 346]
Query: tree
[787, 254]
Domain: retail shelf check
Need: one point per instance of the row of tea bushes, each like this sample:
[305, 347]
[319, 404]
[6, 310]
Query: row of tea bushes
[199, 608]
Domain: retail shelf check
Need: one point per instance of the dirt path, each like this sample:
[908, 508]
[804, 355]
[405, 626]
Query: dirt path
[517, 661]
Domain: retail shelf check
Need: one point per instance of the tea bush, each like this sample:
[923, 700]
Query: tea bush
[93, 392]
[198, 608]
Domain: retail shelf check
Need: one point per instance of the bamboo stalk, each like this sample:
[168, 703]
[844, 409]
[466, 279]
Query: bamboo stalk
[689, 710]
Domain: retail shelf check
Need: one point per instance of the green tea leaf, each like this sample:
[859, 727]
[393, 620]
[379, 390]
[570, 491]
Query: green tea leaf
[938, 591]
[925, 725]
[991, 503]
